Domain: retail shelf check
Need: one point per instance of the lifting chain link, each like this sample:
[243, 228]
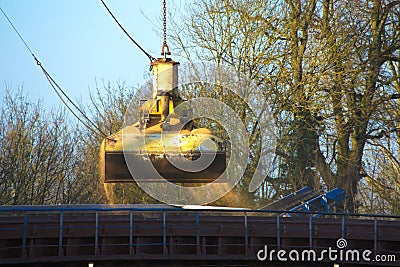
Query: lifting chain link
[165, 20]
[165, 49]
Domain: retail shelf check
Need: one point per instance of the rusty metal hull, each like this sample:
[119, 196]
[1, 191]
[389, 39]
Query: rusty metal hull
[128, 235]
[116, 169]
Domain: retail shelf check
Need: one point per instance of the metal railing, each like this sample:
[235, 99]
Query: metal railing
[36, 233]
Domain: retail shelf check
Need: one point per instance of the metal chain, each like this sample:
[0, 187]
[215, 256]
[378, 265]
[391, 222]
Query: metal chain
[165, 21]
[165, 49]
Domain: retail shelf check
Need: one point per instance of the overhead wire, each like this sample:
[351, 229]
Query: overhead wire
[152, 59]
[19, 35]
[55, 86]
[57, 89]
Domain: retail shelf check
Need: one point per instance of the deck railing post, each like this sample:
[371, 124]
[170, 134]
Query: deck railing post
[246, 235]
[278, 232]
[375, 234]
[343, 226]
[60, 235]
[96, 237]
[24, 232]
[310, 231]
[131, 251]
[164, 234]
[198, 250]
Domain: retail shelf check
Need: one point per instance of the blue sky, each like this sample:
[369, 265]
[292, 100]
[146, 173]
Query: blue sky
[78, 43]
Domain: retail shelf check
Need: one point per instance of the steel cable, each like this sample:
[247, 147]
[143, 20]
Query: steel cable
[152, 59]
[56, 87]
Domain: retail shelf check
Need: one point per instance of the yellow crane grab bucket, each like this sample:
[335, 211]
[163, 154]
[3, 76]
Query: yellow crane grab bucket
[164, 138]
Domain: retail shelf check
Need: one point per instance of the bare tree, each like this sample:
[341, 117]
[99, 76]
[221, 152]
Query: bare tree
[324, 66]
[107, 107]
[38, 153]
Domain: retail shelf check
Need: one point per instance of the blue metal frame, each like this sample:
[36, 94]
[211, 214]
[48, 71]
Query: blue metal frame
[322, 204]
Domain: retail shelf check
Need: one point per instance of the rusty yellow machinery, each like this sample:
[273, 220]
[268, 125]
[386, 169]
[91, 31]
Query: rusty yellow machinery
[165, 143]
[164, 136]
